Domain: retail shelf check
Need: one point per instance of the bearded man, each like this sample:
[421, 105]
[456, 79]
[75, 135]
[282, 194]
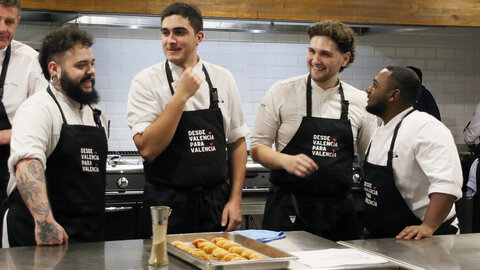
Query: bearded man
[56, 192]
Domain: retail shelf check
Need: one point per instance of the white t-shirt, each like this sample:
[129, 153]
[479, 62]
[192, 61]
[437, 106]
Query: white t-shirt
[38, 123]
[150, 93]
[284, 105]
[472, 132]
[425, 159]
[24, 76]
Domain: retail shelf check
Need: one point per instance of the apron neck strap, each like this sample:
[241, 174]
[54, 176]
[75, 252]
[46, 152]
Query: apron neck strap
[392, 143]
[96, 116]
[345, 103]
[3, 75]
[58, 104]
[212, 90]
[394, 137]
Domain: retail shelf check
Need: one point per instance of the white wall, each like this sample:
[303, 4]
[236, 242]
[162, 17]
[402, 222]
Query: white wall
[449, 58]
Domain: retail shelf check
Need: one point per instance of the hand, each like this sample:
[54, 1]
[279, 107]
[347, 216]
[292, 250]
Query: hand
[188, 84]
[49, 232]
[300, 165]
[418, 232]
[231, 215]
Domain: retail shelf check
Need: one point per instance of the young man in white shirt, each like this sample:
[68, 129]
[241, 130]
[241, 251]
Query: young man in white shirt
[317, 122]
[186, 118]
[412, 172]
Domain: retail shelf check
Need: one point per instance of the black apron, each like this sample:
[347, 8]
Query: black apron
[75, 178]
[320, 203]
[191, 174]
[386, 212]
[4, 125]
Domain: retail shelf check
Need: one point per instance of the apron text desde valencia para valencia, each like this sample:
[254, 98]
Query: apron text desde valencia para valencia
[324, 146]
[201, 141]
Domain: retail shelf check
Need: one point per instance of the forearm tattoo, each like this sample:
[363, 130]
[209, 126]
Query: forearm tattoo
[42, 209]
[48, 231]
[35, 169]
[27, 187]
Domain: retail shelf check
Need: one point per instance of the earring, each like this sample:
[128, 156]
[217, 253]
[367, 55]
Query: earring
[54, 79]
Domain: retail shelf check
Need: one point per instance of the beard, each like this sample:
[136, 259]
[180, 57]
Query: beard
[74, 90]
[377, 109]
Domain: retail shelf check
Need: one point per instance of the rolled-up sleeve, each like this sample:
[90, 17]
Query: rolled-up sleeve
[267, 122]
[31, 135]
[143, 107]
[439, 159]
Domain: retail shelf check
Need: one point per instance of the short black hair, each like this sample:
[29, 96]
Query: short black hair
[340, 33]
[406, 81]
[12, 3]
[417, 71]
[57, 42]
[191, 12]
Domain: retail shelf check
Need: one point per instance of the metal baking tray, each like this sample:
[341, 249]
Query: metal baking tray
[276, 259]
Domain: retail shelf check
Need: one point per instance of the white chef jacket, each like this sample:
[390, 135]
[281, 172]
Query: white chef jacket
[284, 105]
[38, 123]
[24, 76]
[425, 159]
[472, 132]
[150, 93]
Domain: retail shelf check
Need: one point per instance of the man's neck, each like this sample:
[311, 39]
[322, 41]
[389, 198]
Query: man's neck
[190, 63]
[328, 84]
[392, 112]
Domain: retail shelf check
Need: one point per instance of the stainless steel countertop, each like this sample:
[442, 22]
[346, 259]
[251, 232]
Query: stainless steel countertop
[130, 254]
[447, 252]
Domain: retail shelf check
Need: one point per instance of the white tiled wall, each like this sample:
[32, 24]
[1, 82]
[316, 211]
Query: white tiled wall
[449, 58]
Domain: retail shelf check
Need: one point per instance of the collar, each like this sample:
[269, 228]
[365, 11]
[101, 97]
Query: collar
[328, 91]
[177, 71]
[395, 120]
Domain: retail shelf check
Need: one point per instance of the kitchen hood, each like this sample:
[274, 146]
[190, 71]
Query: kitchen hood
[210, 24]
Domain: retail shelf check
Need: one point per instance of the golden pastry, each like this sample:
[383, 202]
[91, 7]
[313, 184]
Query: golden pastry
[227, 244]
[207, 247]
[219, 252]
[215, 240]
[237, 249]
[198, 241]
[200, 254]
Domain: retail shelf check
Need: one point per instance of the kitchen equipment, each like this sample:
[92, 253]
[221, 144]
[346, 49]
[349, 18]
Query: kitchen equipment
[124, 192]
[276, 259]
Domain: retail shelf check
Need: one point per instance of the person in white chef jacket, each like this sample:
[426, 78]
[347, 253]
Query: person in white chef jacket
[317, 123]
[56, 192]
[412, 171]
[20, 77]
[186, 118]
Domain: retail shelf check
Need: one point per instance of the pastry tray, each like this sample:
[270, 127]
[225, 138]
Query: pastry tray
[276, 259]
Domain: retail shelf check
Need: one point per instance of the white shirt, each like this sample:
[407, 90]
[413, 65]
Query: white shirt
[38, 123]
[425, 159]
[472, 132]
[284, 105]
[150, 93]
[24, 76]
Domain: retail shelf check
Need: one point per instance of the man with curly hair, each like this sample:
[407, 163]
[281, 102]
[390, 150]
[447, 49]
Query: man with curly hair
[316, 122]
[59, 148]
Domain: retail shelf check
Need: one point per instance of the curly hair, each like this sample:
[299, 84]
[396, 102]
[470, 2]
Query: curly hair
[12, 3]
[191, 12]
[59, 41]
[340, 33]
